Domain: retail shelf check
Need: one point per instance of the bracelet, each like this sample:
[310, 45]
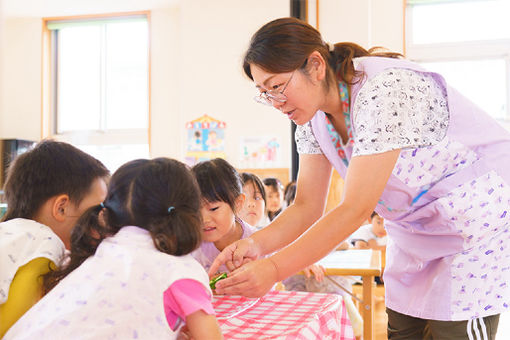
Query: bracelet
[275, 267]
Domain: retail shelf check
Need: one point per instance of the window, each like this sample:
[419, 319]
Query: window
[99, 85]
[468, 42]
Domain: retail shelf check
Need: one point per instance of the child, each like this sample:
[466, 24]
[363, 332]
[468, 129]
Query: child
[222, 200]
[370, 236]
[289, 194]
[129, 275]
[255, 200]
[274, 191]
[46, 189]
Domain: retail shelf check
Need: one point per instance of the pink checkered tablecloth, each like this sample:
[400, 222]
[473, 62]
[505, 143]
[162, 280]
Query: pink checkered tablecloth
[283, 315]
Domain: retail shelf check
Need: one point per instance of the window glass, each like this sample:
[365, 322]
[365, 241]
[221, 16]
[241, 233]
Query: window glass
[482, 81]
[460, 21]
[126, 75]
[114, 155]
[78, 77]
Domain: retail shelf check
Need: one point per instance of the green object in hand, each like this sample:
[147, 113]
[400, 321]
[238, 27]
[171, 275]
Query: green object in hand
[213, 281]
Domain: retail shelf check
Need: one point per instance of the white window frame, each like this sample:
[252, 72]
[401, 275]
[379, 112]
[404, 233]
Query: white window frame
[459, 51]
[100, 137]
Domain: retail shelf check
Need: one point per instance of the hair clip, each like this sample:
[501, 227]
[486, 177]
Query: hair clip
[170, 208]
[331, 47]
[102, 205]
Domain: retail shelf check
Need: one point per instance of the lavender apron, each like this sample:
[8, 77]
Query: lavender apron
[446, 211]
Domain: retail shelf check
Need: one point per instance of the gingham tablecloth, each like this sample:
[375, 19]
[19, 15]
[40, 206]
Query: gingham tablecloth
[283, 315]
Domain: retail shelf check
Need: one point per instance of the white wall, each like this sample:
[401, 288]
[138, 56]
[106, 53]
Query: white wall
[366, 22]
[21, 79]
[197, 48]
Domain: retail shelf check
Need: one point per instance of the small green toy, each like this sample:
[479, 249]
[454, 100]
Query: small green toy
[213, 281]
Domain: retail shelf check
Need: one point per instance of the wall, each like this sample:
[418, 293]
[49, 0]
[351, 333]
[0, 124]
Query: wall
[366, 22]
[197, 47]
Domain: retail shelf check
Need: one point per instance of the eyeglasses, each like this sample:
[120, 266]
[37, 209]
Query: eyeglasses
[275, 95]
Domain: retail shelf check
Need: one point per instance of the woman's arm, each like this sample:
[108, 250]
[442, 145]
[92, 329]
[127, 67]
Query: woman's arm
[311, 194]
[365, 181]
[308, 206]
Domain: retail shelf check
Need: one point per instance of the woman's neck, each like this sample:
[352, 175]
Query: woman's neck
[332, 103]
[334, 110]
[235, 234]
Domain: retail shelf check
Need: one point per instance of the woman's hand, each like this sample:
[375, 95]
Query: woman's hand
[317, 271]
[253, 279]
[235, 255]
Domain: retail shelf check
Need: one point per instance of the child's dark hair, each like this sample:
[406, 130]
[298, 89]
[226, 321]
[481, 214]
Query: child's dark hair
[51, 168]
[218, 181]
[248, 178]
[159, 195]
[289, 194]
[274, 183]
[373, 214]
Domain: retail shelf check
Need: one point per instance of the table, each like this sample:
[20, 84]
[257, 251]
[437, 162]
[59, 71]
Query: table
[359, 262]
[283, 315]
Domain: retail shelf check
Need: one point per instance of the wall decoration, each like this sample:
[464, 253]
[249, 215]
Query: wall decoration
[205, 139]
[260, 152]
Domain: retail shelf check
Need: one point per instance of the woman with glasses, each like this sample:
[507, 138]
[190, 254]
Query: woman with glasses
[410, 147]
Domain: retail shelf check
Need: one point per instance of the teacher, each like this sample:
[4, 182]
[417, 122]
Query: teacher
[410, 147]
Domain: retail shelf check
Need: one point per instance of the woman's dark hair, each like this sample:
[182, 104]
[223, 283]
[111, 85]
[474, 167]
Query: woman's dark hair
[249, 178]
[51, 168]
[218, 181]
[159, 195]
[289, 194]
[283, 45]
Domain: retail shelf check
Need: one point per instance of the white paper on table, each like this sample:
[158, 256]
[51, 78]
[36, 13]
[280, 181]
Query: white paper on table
[352, 258]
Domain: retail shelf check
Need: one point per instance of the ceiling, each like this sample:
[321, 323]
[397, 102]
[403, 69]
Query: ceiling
[49, 8]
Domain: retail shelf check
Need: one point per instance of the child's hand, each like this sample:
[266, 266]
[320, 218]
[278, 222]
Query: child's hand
[317, 271]
[361, 245]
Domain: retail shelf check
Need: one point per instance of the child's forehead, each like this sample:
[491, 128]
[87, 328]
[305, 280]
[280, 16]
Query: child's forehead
[207, 203]
[252, 185]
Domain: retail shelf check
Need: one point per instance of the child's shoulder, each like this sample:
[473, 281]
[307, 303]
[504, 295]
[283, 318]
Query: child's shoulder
[248, 229]
[31, 237]
[29, 229]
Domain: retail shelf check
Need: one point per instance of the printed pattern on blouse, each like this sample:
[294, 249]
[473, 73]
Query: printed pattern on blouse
[21, 241]
[399, 108]
[481, 274]
[423, 166]
[306, 143]
[114, 294]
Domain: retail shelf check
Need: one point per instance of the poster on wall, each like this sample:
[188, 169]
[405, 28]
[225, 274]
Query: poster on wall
[260, 152]
[205, 140]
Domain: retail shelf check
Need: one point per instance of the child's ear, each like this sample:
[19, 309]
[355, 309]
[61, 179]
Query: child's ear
[240, 202]
[60, 207]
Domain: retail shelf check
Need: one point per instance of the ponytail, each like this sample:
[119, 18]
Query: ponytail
[342, 55]
[85, 238]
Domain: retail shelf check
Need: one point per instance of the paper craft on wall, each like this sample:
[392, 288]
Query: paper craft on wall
[260, 152]
[205, 139]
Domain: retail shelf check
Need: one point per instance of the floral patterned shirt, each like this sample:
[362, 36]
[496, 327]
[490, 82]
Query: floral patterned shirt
[398, 108]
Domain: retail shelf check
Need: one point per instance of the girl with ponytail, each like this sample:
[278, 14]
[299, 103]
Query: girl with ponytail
[130, 273]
